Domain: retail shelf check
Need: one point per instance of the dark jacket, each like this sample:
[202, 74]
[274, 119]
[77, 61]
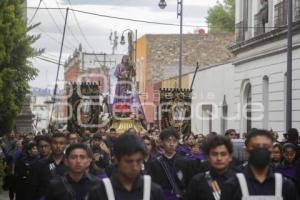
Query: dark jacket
[104, 159]
[45, 170]
[180, 168]
[65, 188]
[98, 192]
[24, 176]
[200, 190]
[232, 189]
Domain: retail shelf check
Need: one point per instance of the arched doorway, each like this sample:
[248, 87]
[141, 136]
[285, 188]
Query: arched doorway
[246, 94]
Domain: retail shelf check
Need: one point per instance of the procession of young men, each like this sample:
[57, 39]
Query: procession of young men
[148, 166]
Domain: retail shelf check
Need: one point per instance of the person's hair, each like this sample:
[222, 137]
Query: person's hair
[84, 147]
[288, 145]
[186, 136]
[152, 141]
[98, 136]
[216, 141]
[229, 131]
[72, 133]
[124, 57]
[258, 132]
[292, 135]
[128, 144]
[29, 145]
[43, 138]
[146, 137]
[57, 135]
[166, 133]
[277, 145]
[112, 129]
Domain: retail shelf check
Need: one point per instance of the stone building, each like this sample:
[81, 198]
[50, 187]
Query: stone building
[251, 89]
[158, 58]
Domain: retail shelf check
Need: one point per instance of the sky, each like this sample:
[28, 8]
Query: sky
[93, 31]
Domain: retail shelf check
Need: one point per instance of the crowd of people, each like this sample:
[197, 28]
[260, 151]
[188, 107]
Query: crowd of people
[151, 165]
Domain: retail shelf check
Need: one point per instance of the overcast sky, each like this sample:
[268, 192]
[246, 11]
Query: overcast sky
[96, 30]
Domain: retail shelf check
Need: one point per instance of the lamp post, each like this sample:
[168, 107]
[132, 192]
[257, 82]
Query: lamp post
[122, 42]
[162, 4]
[289, 74]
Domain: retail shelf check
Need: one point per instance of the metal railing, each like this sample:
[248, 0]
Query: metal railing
[240, 31]
[258, 24]
[280, 15]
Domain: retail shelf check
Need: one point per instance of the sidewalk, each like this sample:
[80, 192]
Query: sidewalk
[4, 195]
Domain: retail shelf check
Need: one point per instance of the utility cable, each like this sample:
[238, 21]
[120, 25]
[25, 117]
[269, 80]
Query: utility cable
[53, 38]
[69, 29]
[121, 18]
[57, 26]
[151, 22]
[79, 27]
[36, 10]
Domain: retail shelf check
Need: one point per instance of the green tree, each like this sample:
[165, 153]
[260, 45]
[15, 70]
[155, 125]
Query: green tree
[221, 17]
[15, 69]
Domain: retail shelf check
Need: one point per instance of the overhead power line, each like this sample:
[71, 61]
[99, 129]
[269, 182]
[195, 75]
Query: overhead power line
[79, 27]
[57, 26]
[68, 27]
[81, 31]
[47, 60]
[148, 22]
[121, 18]
[53, 38]
[135, 20]
[35, 12]
[47, 57]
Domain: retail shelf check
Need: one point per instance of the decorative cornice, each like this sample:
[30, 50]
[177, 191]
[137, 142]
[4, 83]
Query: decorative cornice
[262, 39]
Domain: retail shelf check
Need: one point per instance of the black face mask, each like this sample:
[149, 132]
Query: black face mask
[260, 158]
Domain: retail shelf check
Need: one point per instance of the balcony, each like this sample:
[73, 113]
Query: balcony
[281, 14]
[297, 10]
[240, 31]
[258, 24]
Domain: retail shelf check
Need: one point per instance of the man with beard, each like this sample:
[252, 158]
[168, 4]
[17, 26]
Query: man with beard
[126, 182]
[258, 181]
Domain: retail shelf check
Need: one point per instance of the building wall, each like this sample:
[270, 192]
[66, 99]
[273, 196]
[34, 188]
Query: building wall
[163, 53]
[72, 73]
[151, 102]
[173, 82]
[141, 65]
[273, 67]
[157, 60]
[264, 58]
[210, 87]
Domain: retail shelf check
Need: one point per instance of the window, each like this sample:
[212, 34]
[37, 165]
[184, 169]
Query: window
[224, 115]
[206, 118]
[246, 100]
[266, 102]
